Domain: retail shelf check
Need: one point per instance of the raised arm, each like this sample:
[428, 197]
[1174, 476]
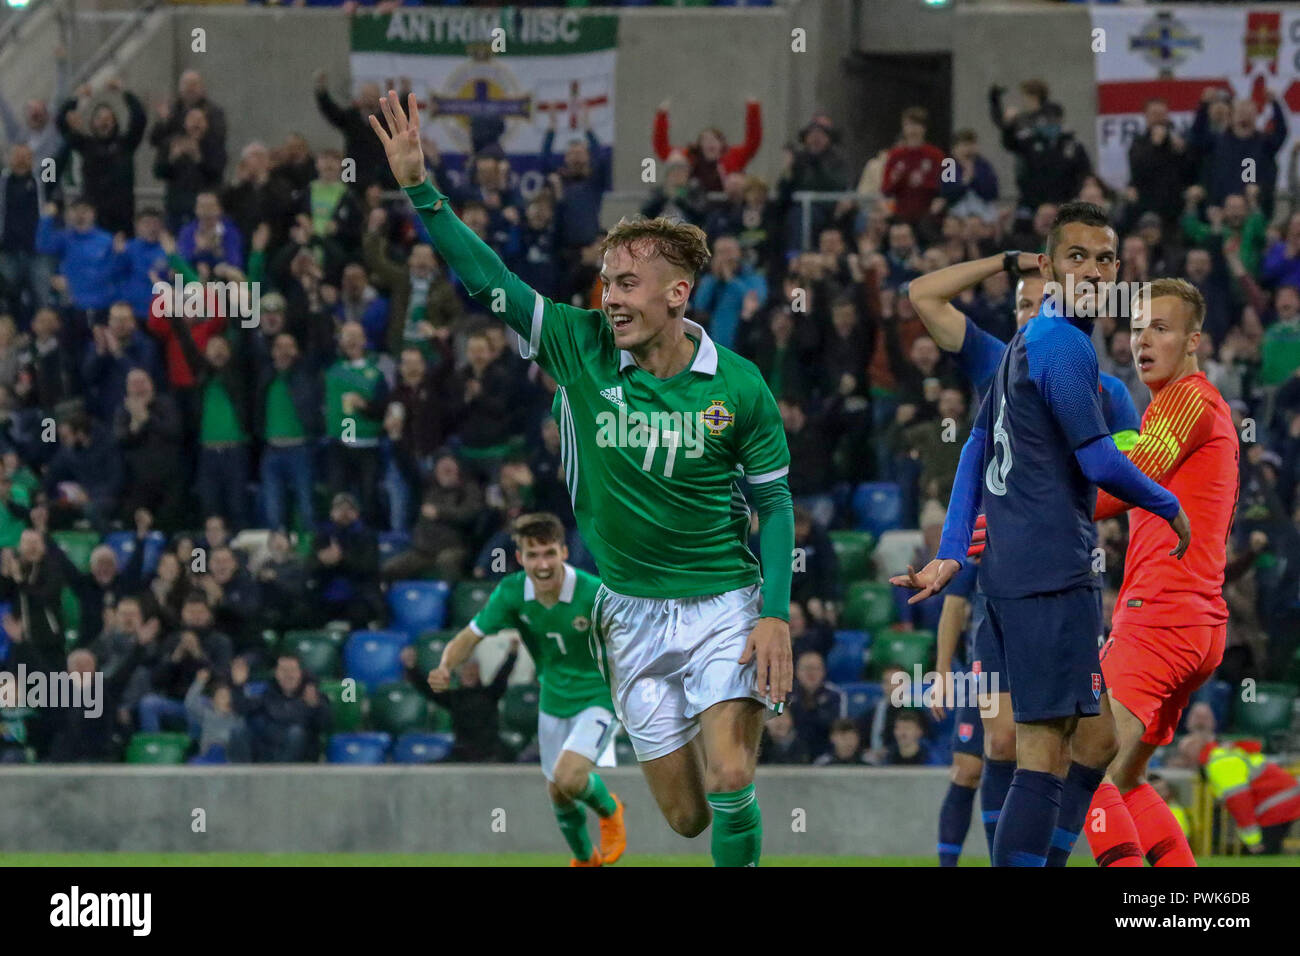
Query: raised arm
[932, 294]
[484, 275]
[457, 652]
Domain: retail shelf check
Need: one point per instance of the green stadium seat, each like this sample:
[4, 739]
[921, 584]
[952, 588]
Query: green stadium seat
[398, 707]
[346, 715]
[467, 600]
[519, 709]
[428, 649]
[77, 545]
[868, 606]
[316, 650]
[853, 549]
[164, 748]
[512, 745]
[905, 649]
[439, 719]
[1268, 715]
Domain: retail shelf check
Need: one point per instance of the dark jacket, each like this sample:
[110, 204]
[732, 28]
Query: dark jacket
[359, 142]
[173, 678]
[475, 720]
[36, 600]
[97, 467]
[108, 164]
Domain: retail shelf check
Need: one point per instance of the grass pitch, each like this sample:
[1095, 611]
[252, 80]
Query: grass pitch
[507, 859]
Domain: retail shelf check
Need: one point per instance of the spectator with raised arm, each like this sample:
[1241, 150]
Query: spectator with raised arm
[1240, 148]
[359, 143]
[107, 153]
[86, 253]
[580, 179]
[710, 158]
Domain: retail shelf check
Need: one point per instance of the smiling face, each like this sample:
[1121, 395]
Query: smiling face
[642, 294]
[543, 562]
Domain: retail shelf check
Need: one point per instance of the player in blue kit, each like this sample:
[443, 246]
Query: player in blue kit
[978, 355]
[962, 615]
[1037, 453]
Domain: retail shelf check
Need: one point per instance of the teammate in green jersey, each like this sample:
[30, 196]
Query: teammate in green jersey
[549, 603]
[657, 425]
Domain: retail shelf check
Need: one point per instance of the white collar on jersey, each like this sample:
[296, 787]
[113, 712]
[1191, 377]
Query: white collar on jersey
[706, 356]
[566, 589]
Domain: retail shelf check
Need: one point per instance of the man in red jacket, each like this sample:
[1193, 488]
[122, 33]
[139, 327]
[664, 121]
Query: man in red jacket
[912, 169]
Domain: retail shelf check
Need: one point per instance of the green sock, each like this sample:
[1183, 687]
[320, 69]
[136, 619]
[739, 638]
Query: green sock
[597, 796]
[573, 824]
[737, 828]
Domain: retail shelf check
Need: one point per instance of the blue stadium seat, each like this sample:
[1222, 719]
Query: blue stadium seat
[367, 747]
[860, 698]
[821, 507]
[416, 747]
[1218, 694]
[418, 606]
[393, 543]
[877, 507]
[845, 662]
[124, 544]
[374, 657]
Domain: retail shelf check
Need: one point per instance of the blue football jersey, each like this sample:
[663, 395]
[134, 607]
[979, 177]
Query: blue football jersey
[1042, 405]
[981, 353]
[1117, 405]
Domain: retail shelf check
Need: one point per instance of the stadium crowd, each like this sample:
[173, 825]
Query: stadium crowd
[378, 426]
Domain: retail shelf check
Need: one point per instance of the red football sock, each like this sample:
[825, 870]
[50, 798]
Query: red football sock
[1161, 837]
[1111, 834]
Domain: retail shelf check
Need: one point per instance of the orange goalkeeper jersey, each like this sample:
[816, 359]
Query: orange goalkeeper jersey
[1189, 445]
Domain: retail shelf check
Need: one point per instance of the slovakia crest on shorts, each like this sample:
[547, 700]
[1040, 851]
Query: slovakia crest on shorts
[1096, 687]
[965, 732]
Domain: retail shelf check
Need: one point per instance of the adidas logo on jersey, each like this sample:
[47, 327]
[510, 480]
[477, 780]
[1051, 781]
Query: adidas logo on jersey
[615, 394]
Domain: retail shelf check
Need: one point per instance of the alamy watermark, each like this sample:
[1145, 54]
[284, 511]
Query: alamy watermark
[973, 688]
[197, 300]
[72, 690]
[1091, 300]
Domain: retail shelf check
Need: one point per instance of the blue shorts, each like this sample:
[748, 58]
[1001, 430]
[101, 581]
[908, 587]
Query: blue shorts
[986, 657]
[1049, 651]
[968, 732]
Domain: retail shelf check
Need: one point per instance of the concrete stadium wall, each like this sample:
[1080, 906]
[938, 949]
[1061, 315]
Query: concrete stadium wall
[446, 809]
[1004, 43]
[259, 65]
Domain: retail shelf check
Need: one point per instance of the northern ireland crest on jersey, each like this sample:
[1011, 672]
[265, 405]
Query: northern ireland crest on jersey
[717, 417]
[581, 623]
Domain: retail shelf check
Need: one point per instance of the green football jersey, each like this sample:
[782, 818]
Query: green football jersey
[652, 465]
[556, 637]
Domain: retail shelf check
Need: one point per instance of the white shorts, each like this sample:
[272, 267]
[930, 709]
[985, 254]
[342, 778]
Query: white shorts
[588, 733]
[669, 660]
